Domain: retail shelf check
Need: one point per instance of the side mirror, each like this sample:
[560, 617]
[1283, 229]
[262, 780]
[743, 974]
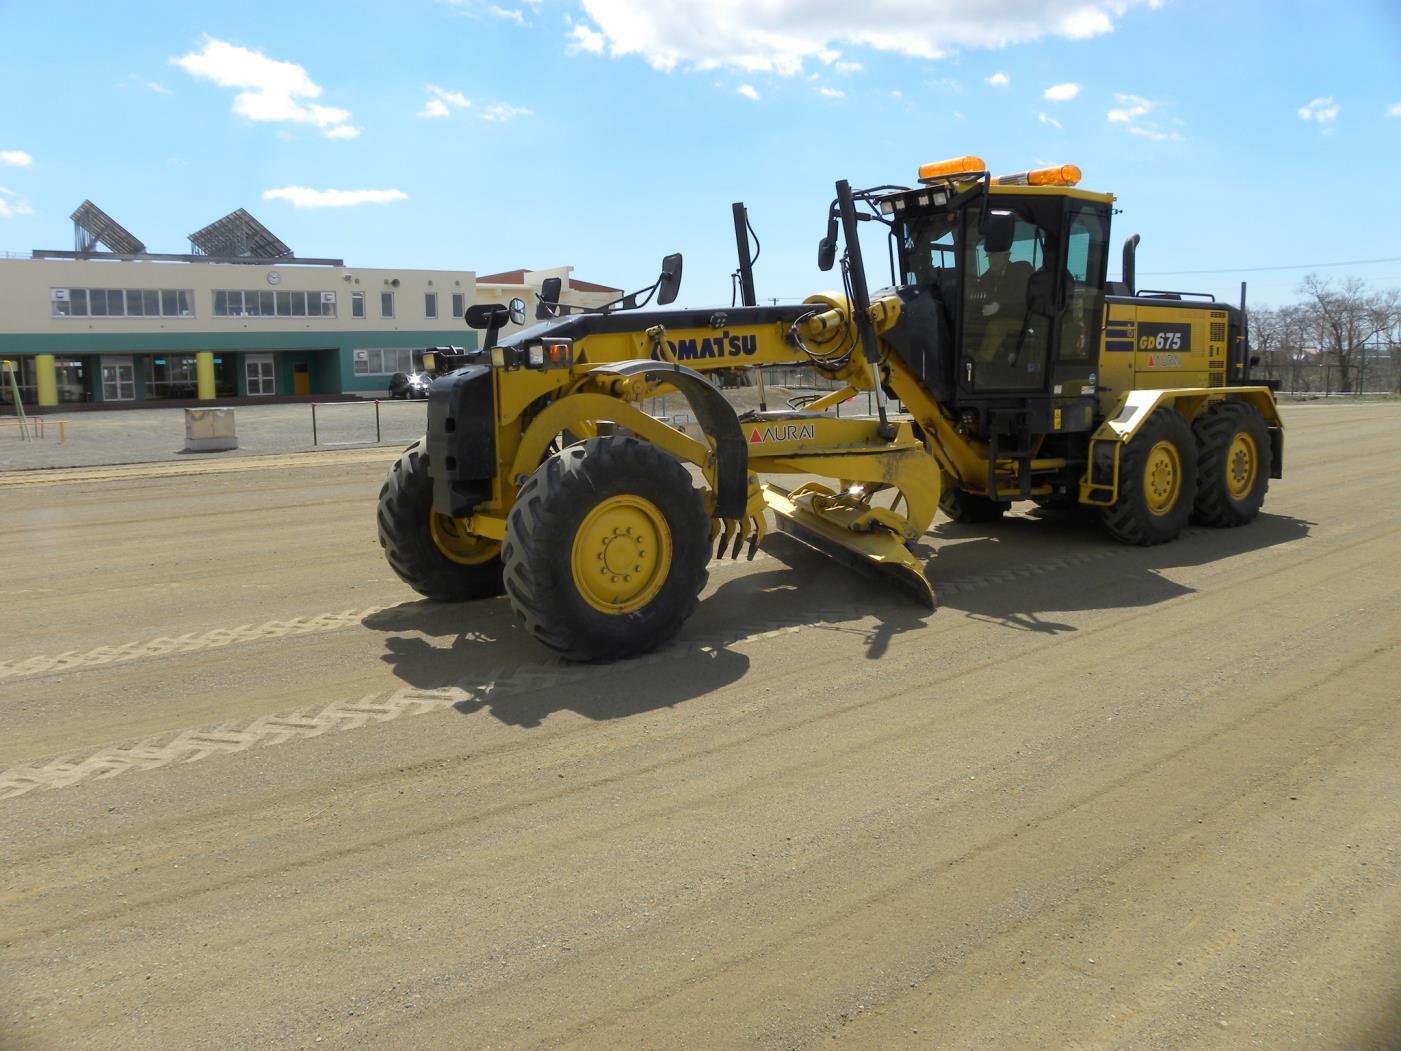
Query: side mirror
[485, 315]
[670, 282]
[827, 247]
[517, 308]
[549, 298]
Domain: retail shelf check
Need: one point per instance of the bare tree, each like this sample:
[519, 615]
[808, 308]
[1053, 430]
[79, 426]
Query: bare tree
[1385, 320]
[1345, 320]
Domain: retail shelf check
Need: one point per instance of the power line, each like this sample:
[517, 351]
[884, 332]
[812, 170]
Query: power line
[1259, 269]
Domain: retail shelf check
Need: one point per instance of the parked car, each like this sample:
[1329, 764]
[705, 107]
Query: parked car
[409, 384]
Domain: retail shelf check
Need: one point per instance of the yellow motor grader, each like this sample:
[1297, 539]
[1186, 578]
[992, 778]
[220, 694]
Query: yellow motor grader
[1019, 374]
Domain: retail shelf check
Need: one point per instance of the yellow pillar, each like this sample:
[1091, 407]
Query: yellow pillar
[204, 373]
[47, 379]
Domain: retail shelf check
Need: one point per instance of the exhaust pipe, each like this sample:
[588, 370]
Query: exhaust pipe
[1130, 250]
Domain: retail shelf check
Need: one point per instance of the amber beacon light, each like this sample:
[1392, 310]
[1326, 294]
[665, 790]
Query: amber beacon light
[952, 166]
[1060, 175]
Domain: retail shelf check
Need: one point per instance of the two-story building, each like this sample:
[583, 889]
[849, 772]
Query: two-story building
[111, 328]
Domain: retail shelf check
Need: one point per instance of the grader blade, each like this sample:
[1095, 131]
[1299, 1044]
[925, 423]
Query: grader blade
[877, 551]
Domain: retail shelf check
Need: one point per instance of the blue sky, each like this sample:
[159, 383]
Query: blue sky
[1240, 138]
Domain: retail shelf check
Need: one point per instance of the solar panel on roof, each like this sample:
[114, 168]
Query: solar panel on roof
[236, 235]
[91, 225]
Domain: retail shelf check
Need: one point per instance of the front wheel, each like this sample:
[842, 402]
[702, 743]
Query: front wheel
[606, 549]
[1157, 482]
[430, 552]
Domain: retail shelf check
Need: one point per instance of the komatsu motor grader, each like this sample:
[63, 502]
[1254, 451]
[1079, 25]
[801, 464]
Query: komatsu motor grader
[1020, 374]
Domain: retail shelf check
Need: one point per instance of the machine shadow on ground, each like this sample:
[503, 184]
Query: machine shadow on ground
[1016, 573]
[432, 646]
[1062, 561]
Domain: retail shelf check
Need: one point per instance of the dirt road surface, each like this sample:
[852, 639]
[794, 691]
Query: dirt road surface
[253, 794]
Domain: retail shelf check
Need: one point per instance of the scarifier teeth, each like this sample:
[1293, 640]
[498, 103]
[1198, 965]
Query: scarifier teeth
[739, 542]
[729, 532]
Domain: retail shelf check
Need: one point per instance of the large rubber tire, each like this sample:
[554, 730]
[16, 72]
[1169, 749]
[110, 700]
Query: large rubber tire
[1157, 482]
[1233, 457]
[565, 521]
[970, 508]
[406, 527]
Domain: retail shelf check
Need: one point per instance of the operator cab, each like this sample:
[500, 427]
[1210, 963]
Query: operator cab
[1008, 276]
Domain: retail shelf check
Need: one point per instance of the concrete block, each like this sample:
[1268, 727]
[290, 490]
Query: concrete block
[210, 430]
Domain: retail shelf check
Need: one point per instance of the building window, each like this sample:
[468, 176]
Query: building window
[120, 302]
[386, 304]
[430, 304]
[459, 305]
[384, 361]
[357, 304]
[173, 376]
[235, 302]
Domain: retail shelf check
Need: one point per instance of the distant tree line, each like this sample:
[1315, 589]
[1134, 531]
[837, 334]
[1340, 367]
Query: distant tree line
[1338, 338]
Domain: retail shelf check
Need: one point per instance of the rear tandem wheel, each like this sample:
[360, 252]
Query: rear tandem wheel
[1233, 451]
[1157, 482]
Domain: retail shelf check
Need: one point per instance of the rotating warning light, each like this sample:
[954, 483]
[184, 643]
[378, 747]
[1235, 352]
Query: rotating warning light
[1059, 175]
[952, 166]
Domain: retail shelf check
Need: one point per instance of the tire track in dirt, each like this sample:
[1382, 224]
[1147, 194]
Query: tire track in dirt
[538, 677]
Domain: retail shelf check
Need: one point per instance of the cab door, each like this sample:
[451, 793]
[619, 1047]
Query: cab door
[1008, 313]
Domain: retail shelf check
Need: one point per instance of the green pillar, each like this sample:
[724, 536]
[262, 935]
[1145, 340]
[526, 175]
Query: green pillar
[204, 373]
[47, 379]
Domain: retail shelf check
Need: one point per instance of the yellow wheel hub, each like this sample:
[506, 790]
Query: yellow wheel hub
[622, 554]
[456, 543]
[1162, 478]
[1242, 463]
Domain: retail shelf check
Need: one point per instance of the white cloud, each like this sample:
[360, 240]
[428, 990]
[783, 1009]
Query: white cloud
[500, 112]
[509, 14]
[13, 204]
[999, 80]
[779, 36]
[442, 102]
[1324, 111]
[159, 89]
[272, 90]
[1046, 118]
[1154, 133]
[832, 93]
[748, 91]
[305, 197]
[1394, 111]
[1130, 108]
[582, 38]
[343, 131]
[1131, 111]
[1086, 22]
[15, 159]
[1061, 92]
[847, 67]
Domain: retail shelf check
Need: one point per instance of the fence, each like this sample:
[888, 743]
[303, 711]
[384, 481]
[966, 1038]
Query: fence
[367, 422]
[31, 428]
